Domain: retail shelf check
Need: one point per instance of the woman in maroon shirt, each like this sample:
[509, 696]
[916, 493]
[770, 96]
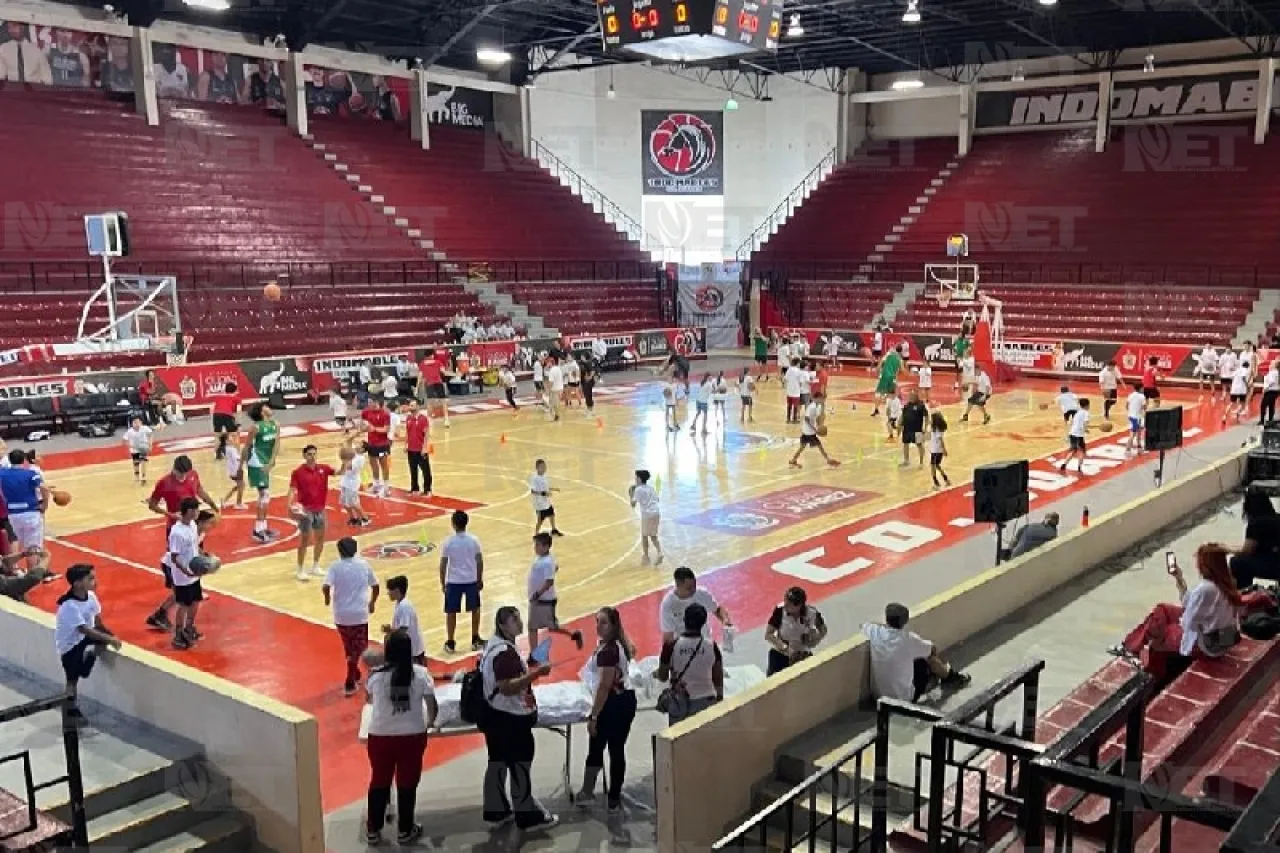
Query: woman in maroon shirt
[613, 711]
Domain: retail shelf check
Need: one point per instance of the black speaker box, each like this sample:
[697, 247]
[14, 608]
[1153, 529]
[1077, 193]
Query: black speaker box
[1261, 465]
[1163, 429]
[1271, 439]
[1000, 491]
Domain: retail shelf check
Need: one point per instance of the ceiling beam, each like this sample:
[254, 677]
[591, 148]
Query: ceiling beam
[458, 36]
[1032, 34]
[565, 48]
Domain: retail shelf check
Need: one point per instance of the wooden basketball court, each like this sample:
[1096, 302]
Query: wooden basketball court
[729, 501]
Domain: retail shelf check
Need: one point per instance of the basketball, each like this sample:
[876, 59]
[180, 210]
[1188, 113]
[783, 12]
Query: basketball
[1105, 426]
[61, 498]
[205, 564]
[271, 292]
[822, 429]
[1044, 407]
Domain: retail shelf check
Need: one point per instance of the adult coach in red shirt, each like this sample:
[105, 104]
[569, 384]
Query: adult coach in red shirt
[1151, 382]
[308, 497]
[416, 429]
[436, 394]
[377, 426]
[166, 499]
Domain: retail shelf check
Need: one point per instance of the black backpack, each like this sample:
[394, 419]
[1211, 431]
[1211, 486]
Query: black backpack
[473, 703]
[1260, 626]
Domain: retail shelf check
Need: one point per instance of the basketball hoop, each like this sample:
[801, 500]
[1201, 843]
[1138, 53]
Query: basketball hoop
[944, 298]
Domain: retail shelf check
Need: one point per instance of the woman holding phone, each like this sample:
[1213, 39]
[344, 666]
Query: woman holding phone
[613, 710]
[1202, 624]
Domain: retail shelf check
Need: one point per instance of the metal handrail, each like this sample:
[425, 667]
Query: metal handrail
[584, 189]
[788, 205]
[73, 778]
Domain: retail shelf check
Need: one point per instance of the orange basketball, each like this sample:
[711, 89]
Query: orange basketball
[1105, 426]
[1044, 407]
[271, 292]
[61, 498]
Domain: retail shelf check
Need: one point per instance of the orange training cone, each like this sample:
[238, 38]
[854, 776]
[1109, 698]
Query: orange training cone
[502, 439]
[600, 423]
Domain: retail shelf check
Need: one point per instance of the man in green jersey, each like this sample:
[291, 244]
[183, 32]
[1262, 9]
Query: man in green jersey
[890, 367]
[962, 346]
[760, 344]
[258, 454]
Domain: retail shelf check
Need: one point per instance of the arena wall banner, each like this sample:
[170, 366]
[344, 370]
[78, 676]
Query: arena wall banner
[710, 295]
[459, 107]
[1160, 99]
[63, 58]
[185, 73]
[335, 92]
[682, 152]
[332, 371]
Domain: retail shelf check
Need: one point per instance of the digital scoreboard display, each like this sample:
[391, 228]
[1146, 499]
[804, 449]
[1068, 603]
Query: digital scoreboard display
[690, 30]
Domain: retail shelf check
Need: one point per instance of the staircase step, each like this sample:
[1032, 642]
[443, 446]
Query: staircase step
[906, 220]
[899, 229]
[331, 157]
[401, 222]
[937, 182]
[143, 822]
[338, 167]
[388, 210]
[413, 232]
[364, 188]
[892, 238]
[915, 208]
[353, 179]
[929, 191]
[377, 199]
[224, 834]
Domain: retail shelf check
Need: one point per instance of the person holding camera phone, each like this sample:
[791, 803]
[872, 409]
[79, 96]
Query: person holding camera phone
[794, 630]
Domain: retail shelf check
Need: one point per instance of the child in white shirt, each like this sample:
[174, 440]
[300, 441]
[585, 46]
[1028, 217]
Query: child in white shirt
[236, 475]
[508, 380]
[1068, 403]
[338, 408]
[719, 394]
[349, 472]
[924, 381]
[747, 391]
[669, 404]
[1076, 437]
[138, 439]
[893, 411]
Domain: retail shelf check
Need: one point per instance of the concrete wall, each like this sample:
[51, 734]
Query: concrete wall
[705, 766]
[269, 751]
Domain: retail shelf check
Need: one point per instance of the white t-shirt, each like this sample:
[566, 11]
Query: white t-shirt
[935, 441]
[390, 387]
[350, 478]
[1079, 423]
[832, 346]
[795, 382]
[462, 550]
[747, 387]
[543, 569]
[1135, 404]
[1240, 382]
[967, 367]
[893, 408]
[811, 414]
[1108, 379]
[784, 355]
[1271, 380]
[337, 406]
[138, 439]
[702, 393]
[74, 614]
[671, 613]
[1068, 402]
[540, 492]
[1227, 364]
[232, 460]
[984, 384]
[405, 616]
[349, 582]
[572, 372]
[184, 545]
[385, 721]
[894, 652]
[1209, 361]
[1247, 359]
[646, 498]
[924, 377]
[538, 371]
[555, 376]
[508, 378]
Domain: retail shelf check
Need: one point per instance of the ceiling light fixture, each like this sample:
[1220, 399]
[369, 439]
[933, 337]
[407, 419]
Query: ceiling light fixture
[209, 5]
[1149, 63]
[492, 56]
[907, 84]
[912, 15]
[1048, 2]
[1019, 75]
[795, 29]
[731, 105]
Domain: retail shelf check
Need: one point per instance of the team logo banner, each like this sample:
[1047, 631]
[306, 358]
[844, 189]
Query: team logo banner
[682, 153]
[1166, 98]
[710, 296]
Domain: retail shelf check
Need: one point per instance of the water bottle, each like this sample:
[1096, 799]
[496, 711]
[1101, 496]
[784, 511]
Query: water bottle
[1084, 518]
[726, 645]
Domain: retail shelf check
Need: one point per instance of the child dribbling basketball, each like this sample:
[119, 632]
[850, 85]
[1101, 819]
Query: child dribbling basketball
[138, 440]
[349, 471]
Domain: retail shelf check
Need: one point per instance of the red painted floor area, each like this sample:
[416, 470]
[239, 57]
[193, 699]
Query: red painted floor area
[299, 662]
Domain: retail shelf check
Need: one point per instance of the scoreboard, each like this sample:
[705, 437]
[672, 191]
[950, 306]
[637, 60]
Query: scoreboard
[690, 30]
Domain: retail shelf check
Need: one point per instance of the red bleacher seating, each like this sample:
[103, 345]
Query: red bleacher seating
[1171, 314]
[472, 196]
[859, 203]
[1240, 771]
[209, 184]
[574, 307]
[828, 305]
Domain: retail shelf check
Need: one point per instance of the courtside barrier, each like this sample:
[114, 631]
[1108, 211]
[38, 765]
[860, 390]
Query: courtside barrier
[705, 766]
[269, 751]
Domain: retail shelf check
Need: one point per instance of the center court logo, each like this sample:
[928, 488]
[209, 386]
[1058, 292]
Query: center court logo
[683, 145]
[397, 550]
[745, 521]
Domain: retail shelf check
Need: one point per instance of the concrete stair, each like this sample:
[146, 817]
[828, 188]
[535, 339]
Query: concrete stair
[502, 304]
[884, 249]
[1255, 324]
[910, 292]
[144, 790]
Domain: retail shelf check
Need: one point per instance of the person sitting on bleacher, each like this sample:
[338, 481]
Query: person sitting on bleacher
[903, 664]
[1205, 622]
[1259, 556]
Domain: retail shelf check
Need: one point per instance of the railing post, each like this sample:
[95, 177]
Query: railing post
[75, 783]
[1035, 794]
[1132, 771]
[937, 786]
[880, 785]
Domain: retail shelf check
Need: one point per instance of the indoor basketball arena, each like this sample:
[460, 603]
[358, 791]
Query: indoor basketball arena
[647, 425]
